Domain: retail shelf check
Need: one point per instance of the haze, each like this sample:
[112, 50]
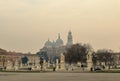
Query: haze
[25, 25]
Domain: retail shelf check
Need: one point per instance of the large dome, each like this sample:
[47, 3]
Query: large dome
[59, 41]
[48, 43]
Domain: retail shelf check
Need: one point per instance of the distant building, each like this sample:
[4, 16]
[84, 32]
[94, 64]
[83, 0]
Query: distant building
[58, 43]
[70, 39]
[13, 56]
[55, 48]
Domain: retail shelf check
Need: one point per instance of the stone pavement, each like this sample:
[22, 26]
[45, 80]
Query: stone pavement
[59, 76]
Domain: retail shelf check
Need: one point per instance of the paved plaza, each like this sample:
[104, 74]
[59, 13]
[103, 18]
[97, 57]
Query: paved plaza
[59, 77]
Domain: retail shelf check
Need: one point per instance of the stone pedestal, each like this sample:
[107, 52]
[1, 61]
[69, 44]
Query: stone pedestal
[62, 62]
[89, 61]
[48, 64]
[79, 64]
[16, 65]
[37, 65]
[57, 64]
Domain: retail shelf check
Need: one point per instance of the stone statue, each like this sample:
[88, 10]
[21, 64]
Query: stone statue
[9, 65]
[89, 61]
[57, 64]
[16, 65]
[62, 61]
[62, 58]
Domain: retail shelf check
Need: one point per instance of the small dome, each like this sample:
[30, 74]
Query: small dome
[59, 41]
[48, 43]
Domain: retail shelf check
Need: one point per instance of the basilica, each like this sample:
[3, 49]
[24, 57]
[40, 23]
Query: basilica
[55, 48]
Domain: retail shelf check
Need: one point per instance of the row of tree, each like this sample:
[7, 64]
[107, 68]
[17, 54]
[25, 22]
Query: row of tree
[105, 56]
[77, 53]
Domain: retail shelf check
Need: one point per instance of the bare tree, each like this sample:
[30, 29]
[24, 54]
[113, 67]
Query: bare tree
[106, 56]
[77, 53]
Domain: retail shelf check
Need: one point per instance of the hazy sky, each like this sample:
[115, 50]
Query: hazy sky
[25, 25]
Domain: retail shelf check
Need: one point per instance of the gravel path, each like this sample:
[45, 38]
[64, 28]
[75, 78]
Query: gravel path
[59, 76]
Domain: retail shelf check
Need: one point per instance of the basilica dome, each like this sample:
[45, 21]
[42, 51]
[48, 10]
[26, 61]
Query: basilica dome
[59, 41]
[48, 43]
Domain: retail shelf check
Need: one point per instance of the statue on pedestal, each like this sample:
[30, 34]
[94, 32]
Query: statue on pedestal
[62, 61]
[9, 65]
[89, 61]
[16, 65]
[57, 64]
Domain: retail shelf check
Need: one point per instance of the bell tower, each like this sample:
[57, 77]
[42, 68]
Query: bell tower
[69, 40]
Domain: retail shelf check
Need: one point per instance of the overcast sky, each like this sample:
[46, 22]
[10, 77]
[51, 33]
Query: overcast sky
[25, 25]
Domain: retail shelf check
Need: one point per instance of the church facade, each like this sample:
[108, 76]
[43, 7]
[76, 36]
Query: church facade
[55, 48]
